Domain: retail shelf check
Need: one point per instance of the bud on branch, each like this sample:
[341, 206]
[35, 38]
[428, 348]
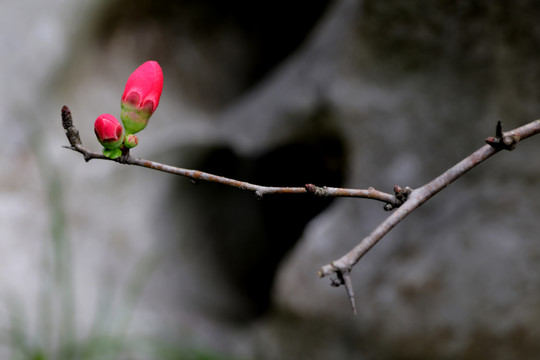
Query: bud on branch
[110, 134]
[141, 96]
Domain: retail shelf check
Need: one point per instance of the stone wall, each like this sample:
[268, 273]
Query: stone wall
[345, 93]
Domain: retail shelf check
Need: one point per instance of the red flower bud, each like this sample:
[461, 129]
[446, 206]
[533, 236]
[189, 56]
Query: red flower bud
[109, 131]
[141, 96]
[110, 134]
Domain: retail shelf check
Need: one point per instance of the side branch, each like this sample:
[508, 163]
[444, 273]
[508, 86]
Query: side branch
[507, 140]
[196, 176]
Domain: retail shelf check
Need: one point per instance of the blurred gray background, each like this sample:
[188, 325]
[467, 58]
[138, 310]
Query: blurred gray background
[100, 260]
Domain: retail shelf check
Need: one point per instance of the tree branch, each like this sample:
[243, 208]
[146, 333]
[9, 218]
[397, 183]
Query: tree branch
[404, 200]
[72, 134]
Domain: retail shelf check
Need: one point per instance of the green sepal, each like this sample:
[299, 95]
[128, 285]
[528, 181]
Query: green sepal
[112, 153]
[134, 119]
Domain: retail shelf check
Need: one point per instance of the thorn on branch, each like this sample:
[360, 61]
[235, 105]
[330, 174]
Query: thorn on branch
[502, 141]
[344, 278]
[498, 130]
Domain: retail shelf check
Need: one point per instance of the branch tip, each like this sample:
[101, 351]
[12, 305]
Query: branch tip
[350, 291]
[71, 132]
[67, 120]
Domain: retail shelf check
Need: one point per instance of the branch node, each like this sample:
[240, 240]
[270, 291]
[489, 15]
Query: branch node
[401, 195]
[316, 190]
[510, 142]
[125, 157]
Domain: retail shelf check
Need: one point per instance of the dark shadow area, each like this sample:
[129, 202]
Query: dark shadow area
[245, 239]
[215, 50]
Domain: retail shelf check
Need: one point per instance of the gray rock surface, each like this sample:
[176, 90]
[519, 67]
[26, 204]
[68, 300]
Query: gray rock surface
[357, 93]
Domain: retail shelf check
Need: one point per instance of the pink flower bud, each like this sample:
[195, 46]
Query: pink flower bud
[141, 96]
[109, 131]
[131, 141]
